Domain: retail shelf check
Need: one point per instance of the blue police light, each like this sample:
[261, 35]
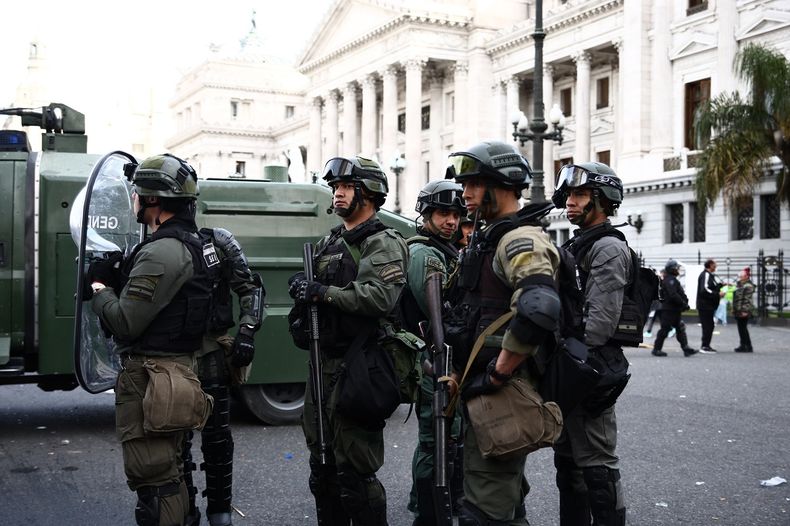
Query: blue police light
[13, 141]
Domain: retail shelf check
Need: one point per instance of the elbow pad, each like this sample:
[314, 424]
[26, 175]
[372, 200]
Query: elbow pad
[252, 304]
[537, 314]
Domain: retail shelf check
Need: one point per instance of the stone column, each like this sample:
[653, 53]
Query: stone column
[350, 145]
[617, 89]
[499, 109]
[331, 125]
[369, 116]
[412, 178]
[511, 96]
[661, 82]
[727, 20]
[460, 76]
[581, 151]
[390, 118]
[438, 159]
[314, 151]
[548, 146]
[635, 78]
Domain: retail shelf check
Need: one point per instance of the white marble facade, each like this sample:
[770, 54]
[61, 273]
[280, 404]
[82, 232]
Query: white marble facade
[430, 77]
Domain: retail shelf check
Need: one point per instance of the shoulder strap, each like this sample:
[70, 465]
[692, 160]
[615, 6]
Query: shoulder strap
[354, 250]
[491, 329]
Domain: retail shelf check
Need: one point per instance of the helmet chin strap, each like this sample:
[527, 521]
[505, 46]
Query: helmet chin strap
[489, 207]
[593, 204]
[438, 231]
[141, 213]
[357, 199]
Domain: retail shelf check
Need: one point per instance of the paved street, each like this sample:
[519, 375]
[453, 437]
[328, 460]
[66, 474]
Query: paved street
[697, 435]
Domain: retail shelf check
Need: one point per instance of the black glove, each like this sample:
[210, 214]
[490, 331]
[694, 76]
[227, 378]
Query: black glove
[306, 291]
[479, 385]
[106, 271]
[293, 284]
[243, 349]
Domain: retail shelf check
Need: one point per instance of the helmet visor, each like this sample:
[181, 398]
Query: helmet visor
[572, 176]
[463, 166]
[338, 167]
[447, 199]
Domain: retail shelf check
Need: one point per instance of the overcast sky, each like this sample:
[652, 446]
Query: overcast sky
[122, 43]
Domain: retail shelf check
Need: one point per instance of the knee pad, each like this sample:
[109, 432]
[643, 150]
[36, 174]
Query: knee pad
[363, 496]
[471, 515]
[602, 486]
[146, 512]
[220, 414]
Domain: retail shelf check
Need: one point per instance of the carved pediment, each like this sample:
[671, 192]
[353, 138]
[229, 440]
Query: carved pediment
[697, 42]
[763, 22]
[346, 21]
[601, 126]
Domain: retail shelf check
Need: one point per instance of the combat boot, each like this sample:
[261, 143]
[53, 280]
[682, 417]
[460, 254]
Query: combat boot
[658, 352]
[605, 495]
[219, 519]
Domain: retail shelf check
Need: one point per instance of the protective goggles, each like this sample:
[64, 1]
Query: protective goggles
[463, 166]
[572, 176]
[337, 168]
[446, 199]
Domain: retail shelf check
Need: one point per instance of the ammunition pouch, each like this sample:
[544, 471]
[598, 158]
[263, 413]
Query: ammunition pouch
[404, 349]
[173, 399]
[513, 420]
[460, 324]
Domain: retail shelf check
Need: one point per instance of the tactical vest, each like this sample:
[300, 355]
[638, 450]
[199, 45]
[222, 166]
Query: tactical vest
[484, 296]
[336, 263]
[409, 312]
[179, 327]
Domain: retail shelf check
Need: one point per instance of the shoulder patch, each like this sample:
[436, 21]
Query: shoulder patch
[434, 263]
[391, 273]
[210, 255]
[142, 288]
[518, 246]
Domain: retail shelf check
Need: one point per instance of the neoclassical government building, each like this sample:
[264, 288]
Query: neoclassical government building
[421, 79]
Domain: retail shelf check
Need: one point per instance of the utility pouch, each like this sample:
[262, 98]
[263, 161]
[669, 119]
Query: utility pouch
[238, 375]
[405, 348]
[610, 362]
[567, 377]
[298, 326]
[369, 391]
[173, 399]
[513, 420]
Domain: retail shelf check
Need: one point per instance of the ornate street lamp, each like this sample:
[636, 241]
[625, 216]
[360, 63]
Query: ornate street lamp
[397, 166]
[538, 125]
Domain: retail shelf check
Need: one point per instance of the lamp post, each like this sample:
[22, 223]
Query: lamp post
[397, 166]
[635, 220]
[538, 125]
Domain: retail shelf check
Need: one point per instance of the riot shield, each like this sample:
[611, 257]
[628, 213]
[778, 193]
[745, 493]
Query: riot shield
[102, 221]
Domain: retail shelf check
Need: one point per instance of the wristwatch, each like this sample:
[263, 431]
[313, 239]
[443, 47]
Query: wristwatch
[492, 372]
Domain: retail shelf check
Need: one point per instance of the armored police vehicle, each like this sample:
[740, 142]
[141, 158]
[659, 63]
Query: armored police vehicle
[51, 198]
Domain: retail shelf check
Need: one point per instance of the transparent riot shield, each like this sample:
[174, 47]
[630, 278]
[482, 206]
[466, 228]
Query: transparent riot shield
[102, 221]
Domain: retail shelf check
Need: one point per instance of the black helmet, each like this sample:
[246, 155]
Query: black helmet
[442, 194]
[165, 176]
[494, 160]
[587, 175]
[357, 169]
[672, 266]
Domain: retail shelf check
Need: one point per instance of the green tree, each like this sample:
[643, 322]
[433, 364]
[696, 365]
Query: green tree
[747, 130]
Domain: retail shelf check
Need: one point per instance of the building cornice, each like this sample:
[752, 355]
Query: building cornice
[521, 33]
[401, 20]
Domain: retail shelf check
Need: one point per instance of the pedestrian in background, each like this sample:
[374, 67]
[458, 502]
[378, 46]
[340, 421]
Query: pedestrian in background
[708, 297]
[672, 306]
[742, 307]
[726, 298]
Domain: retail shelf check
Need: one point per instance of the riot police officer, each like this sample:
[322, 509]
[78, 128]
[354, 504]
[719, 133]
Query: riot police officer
[508, 262]
[158, 321]
[440, 205]
[217, 372]
[588, 475]
[673, 304]
[360, 270]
